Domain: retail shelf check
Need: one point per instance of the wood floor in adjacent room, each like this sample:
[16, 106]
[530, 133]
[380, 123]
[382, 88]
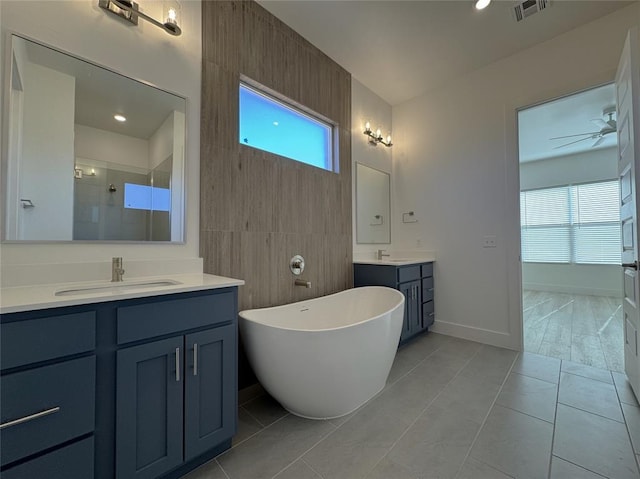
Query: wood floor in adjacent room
[581, 328]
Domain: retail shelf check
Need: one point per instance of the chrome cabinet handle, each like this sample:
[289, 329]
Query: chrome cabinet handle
[195, 359]
[177, 364]
[431, 314]
[31, 417]
[430, 289]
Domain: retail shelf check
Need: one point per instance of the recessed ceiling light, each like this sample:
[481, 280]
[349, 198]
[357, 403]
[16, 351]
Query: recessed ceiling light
[119, 118]
[481, 4]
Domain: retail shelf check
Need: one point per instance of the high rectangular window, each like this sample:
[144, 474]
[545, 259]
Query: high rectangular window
[271, 125]
[143, 197]
[571, 224]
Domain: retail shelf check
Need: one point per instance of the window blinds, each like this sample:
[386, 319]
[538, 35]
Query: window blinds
[571, 224]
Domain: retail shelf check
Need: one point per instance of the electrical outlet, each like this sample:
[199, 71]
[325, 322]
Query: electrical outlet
[489, 241]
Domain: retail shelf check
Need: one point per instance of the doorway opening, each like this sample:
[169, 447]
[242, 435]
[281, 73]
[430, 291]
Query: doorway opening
[570, 229]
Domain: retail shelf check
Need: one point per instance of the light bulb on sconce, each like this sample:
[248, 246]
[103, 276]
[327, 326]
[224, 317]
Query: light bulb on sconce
[375, 138]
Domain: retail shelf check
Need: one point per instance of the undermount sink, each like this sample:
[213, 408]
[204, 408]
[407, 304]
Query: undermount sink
[116, 287]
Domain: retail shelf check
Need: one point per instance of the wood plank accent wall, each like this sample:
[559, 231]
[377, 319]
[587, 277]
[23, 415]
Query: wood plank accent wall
[257, 209]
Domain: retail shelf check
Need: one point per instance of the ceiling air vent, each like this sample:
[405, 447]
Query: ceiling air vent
[527, 8]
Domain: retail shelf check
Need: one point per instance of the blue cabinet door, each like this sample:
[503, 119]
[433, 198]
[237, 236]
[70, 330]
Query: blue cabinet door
[149, 409]
[412, 318]
[210, 389]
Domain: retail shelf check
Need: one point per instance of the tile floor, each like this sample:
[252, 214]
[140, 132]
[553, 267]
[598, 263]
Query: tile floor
[584, 329]
[452, 409]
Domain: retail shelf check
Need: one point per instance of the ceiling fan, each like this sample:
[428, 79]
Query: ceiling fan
[606, 127]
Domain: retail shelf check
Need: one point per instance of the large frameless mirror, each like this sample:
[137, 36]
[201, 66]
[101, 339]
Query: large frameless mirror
[373, 206]
[90, 154]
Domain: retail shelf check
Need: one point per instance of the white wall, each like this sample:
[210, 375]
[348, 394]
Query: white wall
[570, 169]
[367, 106]
[46, 166]
[161, 143]
[456, 165]
[143, 52]
[106, 146]
[592, 165]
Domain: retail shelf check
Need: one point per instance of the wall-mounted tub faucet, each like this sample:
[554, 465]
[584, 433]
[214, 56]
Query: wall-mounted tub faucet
[302, 282]
[116, 269]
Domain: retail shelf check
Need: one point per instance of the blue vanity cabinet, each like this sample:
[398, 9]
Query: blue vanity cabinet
[415, 281]
[176, 396]
[149, 405]
[47, 395]
[136, 388]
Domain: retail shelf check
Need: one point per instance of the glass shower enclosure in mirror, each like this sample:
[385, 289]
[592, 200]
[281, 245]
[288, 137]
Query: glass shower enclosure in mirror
[90, 155]
[373, 206]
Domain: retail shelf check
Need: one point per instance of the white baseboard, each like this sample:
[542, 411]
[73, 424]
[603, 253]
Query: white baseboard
[563, 288]
[485, 336]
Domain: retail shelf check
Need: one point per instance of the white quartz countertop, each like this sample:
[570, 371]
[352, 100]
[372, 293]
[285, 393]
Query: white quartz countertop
[393, 261]
[28, 298]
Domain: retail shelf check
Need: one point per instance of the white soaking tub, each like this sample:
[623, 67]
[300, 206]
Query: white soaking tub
[325, 357]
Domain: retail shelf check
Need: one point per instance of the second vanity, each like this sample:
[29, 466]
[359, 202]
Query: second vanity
[128, 384]
[413, 278]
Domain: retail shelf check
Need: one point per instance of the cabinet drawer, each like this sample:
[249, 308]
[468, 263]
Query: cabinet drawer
[408, 273]
[33, 340]
[428, 314]
[427, 289]
[71, 462]
[176, 315]
[426, 270]
[55, 403]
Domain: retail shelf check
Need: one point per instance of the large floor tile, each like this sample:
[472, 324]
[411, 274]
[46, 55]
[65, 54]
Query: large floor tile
[490, 363]
[247, 426]
[298, 470]
[594, 442]
[469, 397]
[561, 469]
[209, 470]
[265, 409]
[587, 371]
[387, 469]
[514, 443]
[437, 444]
[273, 448]
[590, 395]
[474, 469]
[537, 366]
[625, 393]
[632, 419]
[530, 396]
[555, 350]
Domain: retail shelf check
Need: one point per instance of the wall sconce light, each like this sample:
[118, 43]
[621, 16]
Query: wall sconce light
[128, 10]
[375, 138]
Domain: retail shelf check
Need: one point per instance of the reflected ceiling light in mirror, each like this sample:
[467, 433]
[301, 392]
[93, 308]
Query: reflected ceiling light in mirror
[482, 4]
[376, 137]
[129, 11]
[120, 118]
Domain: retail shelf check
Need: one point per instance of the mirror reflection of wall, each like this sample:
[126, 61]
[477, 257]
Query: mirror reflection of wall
[373, 206]
[88, 175]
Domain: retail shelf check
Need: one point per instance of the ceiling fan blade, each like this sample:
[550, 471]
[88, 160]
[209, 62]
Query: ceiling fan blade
[577, 141]
[600, 123]
[579, 134]
[600, 140]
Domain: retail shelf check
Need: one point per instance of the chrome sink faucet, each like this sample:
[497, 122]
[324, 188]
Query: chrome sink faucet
[116, 269]
[381, 253]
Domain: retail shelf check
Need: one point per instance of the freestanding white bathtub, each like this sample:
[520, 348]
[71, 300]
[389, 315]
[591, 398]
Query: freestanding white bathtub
[325, 357]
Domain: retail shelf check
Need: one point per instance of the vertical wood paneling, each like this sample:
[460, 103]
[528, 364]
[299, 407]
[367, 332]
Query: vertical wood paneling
[258, 209]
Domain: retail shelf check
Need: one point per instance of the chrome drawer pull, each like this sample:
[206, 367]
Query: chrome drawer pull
[177, 364]
[431, 314]
[430, 289]
[195, 359]
[37, 415]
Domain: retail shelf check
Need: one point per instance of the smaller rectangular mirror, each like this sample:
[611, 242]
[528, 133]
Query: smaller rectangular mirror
[91, 155]
[373, 206]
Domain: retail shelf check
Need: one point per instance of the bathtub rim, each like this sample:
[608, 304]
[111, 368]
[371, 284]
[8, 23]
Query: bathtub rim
[400, 296]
